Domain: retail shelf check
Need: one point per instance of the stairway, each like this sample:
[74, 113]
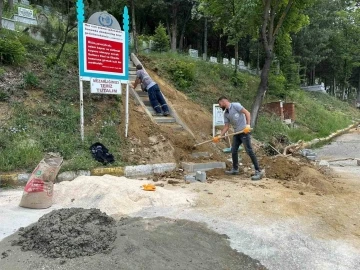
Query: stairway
[143, 99]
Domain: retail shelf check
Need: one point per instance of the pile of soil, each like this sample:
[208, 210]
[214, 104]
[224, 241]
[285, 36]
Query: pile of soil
[69, 233]
[280, 167]
[313, 180]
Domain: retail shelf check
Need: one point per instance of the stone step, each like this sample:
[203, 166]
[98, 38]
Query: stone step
[164, 119]
[142, 93]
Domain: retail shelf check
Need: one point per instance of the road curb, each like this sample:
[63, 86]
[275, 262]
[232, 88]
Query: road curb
[13, 179]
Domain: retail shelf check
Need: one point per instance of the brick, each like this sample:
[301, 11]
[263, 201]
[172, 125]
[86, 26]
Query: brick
[193, 167]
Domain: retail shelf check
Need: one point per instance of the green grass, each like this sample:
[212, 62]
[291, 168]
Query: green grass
[45, 117]
[317, 114]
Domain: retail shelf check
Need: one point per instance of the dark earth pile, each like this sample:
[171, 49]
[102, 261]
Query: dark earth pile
[69, 233]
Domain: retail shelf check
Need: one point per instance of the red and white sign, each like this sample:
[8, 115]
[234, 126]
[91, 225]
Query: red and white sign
[105, 86]
[104, 50]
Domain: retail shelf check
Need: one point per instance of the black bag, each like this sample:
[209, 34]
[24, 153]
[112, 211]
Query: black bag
[101, 153]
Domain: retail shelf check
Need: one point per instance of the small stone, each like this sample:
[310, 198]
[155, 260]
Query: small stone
[210, 193]
[62, 262]
[264, 202]
[318, 194]
[72, 200]
[301, 193]
[123, 234]
[173, 182]
[160, 185]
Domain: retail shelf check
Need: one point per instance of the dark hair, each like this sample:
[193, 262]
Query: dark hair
[138, 67]
[221, 98]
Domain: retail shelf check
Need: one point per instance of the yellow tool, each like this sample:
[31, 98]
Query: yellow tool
[149, 187]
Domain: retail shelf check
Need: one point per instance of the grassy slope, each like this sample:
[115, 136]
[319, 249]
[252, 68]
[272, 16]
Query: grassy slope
[43, 102]
[318, 115]
[44, 105]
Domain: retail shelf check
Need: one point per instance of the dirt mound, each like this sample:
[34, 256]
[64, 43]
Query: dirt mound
[215, 173]
[282, 168]
[314, 180]
[69, 233]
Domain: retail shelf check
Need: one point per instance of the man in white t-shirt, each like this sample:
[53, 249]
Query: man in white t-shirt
[237, 116]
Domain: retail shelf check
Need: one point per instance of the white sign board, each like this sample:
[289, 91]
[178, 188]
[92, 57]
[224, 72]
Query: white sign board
[25, 12]
[218, 117]
[105, 86]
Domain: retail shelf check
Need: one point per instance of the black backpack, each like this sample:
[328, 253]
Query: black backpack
[101, 153]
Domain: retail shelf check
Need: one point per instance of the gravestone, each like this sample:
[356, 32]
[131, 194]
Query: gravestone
[25, 2]
[242, 65]
[233, 61]
[47, 10]
[213, 59]
[194, 53]
[25, 12]
[225, 61]
[42, 19]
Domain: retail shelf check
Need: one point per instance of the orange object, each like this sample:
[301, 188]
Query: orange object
[216, 139]
[149, 187]
[247, 129]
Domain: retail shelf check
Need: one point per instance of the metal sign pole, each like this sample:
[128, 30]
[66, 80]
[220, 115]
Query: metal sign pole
[81, 109]
[127, 111]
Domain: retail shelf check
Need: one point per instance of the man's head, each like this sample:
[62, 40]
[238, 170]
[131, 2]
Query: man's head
[138, 67]
[224, 103]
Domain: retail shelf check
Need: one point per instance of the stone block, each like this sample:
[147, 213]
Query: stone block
[200, 176]
[190, 178]
[324, 163]
[194, 167]
[23, 178]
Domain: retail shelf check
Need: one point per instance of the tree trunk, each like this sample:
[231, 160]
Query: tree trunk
[236, 55]
[1, 12]
[205, 39]
[358, 91]
[64, 41]
[174, 27]
[133, 20]
[11, 4]
[219, 49]
[264, 77]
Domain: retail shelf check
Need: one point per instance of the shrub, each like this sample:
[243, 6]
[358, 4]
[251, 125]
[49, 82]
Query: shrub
[11, 51]
[161, 39]
[30, 79]
[182, 72]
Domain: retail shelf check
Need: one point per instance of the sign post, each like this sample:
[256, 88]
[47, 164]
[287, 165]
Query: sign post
[218, 117]
[103, 56]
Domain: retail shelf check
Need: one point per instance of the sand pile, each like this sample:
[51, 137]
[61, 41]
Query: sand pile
[69, 233]
[116, 195]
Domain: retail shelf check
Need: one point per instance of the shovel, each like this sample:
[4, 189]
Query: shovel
[209, 141]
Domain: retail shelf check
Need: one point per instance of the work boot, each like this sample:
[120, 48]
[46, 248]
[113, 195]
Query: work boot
[158, 114]
[257, 176]
[232, 172]
[166, 113]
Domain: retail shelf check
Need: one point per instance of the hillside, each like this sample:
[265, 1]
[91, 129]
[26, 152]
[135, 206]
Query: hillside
[317, 114]
[39, 110]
